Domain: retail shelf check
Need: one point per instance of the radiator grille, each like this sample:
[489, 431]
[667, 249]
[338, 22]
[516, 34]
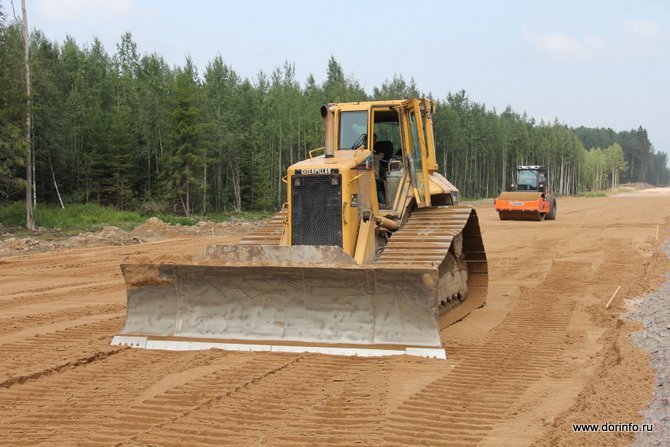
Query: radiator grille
[316, 210]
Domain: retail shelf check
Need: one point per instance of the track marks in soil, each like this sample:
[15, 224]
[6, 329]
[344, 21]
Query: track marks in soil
[312, 400]
[542, 339]
[56, 317]
[257, 399]
[35, 357]
[67, 407]
[44, 295]
[485, 381]
[165, 417]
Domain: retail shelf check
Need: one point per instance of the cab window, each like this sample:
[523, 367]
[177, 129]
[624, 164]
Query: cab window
[353, 129]
[527, 180]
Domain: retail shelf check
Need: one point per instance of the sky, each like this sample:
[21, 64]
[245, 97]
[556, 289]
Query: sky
[594, 63]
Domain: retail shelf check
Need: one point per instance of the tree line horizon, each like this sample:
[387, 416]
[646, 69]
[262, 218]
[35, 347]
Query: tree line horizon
[128, 131]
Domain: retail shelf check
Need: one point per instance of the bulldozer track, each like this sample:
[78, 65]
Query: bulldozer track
[425, 241]
[268, 234]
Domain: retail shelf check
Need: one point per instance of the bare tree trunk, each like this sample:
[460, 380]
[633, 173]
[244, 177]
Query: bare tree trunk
[183, 205]
[560, 181]
[281, 173]
[148, 171]
[188, 199]
[53, 176]
[34, 177]
[444, 158]
[204, 193]
[160, 145]
[503, 184]
[30, 221]
[237, 190]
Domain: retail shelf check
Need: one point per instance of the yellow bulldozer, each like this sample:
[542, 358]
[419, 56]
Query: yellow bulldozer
[372, 255]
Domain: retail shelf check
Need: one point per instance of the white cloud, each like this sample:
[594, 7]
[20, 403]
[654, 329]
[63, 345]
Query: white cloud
[597, 43]
[557, 45]
[644, 30]
[67, 10]
[566, 48]
[646, 40]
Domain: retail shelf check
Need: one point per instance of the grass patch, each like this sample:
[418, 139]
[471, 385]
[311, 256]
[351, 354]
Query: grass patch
[71, 219]
[593, 194]
[90, 217]
[244, 215]
[215, 217]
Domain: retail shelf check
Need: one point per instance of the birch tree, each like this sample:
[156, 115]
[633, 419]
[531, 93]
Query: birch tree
[30, 220]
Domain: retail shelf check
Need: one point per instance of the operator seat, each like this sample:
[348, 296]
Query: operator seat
[386, 149]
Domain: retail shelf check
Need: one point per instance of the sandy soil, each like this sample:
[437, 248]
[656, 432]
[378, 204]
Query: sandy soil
[543, 354]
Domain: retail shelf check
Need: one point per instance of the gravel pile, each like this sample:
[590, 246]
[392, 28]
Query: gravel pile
[653, 311]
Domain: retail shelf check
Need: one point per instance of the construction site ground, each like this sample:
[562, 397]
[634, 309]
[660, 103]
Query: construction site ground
[543, 354]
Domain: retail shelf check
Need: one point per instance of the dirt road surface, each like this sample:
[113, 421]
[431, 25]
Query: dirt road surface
[543, 354]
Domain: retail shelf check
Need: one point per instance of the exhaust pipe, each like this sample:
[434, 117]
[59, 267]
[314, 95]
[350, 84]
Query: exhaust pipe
[327, 114]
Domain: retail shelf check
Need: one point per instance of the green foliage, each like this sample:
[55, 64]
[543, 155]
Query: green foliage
[85, 217]
[243, 216]
[13, 214]
[186, 161]
[75, 217]
[130, 132]
[396, 88]
[479, 150]
[13, 147]
[642, 162]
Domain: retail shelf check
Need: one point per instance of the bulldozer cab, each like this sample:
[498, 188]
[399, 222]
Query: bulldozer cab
[400, 137]
[531, 178]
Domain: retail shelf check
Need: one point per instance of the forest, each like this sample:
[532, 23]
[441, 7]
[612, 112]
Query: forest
[129, 131]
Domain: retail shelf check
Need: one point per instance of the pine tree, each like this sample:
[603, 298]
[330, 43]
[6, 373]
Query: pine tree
[187, 152]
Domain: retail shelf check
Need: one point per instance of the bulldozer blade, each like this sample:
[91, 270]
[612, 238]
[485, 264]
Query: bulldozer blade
[300, 298]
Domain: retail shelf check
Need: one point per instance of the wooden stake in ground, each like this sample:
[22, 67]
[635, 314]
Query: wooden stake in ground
[610, 301]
